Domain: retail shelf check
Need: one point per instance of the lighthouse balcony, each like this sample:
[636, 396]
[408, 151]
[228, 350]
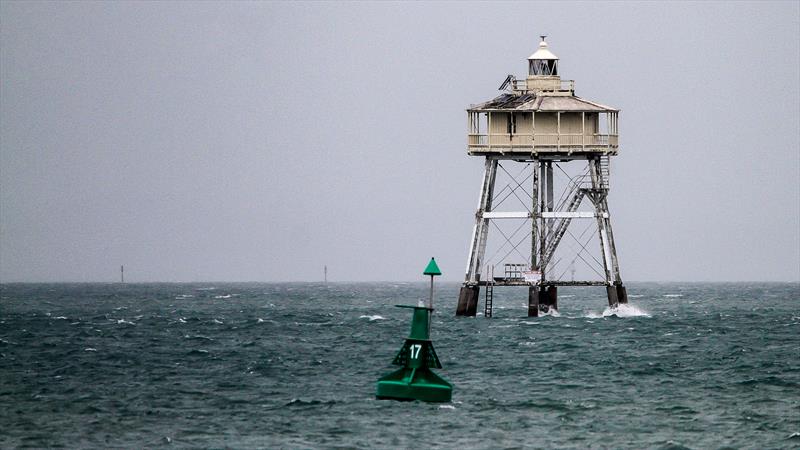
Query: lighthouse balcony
[501, 143]
[552, 85]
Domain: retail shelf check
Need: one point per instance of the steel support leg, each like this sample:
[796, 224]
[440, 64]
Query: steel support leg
[622, 294]
[611, 292]
[548, 298]
[533, 301]
[468, 297]
[552, 297]
[468, 301]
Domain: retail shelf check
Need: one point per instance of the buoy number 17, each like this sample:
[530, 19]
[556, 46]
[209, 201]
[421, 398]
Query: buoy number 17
[414, 349]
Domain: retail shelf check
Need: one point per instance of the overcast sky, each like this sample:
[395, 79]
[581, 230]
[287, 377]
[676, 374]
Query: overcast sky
[244, 141]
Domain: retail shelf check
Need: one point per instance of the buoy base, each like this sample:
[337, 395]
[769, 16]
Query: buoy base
[414, 384]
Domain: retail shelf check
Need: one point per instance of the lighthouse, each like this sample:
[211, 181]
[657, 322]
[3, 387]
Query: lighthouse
[543, 204]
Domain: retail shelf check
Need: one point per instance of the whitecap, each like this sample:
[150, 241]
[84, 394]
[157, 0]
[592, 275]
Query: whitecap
[672, 295]
[125, 321]
[260, 320]
[625, 310]
[223, 296]
[372, 318]
[205, 289]
[311, 324]
[447, 407]
[61, 318]
[181, 320]
[90, 349]
[217, 321]
[550, 312]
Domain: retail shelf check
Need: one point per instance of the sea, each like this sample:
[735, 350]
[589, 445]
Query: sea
[295, 365]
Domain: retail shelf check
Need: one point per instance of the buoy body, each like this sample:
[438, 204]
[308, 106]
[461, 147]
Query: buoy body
[415, 380]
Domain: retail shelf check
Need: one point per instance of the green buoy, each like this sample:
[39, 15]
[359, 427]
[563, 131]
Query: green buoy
[415, 380]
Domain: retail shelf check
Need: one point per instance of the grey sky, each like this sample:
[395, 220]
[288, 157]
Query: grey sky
[261, 141]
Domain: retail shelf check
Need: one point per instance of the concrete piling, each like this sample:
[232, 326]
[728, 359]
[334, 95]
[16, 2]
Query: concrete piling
[611, 291]
[533, 301]
[622, 294]
[468, 301]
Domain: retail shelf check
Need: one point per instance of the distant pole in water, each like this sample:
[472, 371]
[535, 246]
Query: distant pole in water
[326, 274]
[121, 274]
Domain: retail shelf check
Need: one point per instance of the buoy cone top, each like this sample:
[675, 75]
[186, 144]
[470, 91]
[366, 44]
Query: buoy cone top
[432, 268]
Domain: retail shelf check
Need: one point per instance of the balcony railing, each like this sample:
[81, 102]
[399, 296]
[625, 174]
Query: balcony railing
[545, 141]
[544, 85]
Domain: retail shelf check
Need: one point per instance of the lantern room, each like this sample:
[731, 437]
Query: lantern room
[541, 114]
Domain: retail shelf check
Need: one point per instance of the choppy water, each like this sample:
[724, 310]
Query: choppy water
[295, 365]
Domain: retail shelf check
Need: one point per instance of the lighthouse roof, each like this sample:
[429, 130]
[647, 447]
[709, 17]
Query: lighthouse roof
[531, 102]
[543, 52]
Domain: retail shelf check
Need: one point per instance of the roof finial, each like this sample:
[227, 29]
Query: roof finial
[542, 36]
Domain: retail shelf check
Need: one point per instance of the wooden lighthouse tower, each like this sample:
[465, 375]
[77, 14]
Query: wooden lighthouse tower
[539, 139]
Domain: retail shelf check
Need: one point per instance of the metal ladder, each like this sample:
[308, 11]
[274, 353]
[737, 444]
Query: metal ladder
[561, 228]
[487, 310]
[605, 171]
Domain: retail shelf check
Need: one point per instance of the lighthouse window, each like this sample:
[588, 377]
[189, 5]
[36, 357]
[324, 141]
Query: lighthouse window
[544, 67]
[512, 123]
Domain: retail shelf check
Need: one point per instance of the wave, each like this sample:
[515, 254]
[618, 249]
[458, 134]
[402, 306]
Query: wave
[551, 312]
[373, 318]
[672, 295]
[624, 310]
[300, 402]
